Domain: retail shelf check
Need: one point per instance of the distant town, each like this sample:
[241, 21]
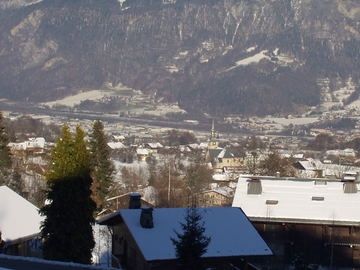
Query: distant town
[297, 184]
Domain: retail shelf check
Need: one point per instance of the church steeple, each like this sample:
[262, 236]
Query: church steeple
[213, 144]
[213, 132]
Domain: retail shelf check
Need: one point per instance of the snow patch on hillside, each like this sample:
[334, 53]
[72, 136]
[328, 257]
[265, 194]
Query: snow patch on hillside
[250, 60]
[251, 49]
[172, 68]
[121, 2]
[71, 101]
[9, 4]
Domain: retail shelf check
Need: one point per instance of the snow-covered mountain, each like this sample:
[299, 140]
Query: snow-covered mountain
[13, 4]
[214, 56]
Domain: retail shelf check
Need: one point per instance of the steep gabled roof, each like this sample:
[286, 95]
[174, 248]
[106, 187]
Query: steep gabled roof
[18, 217]
[224, 191]
[225, 153]
[213, 153]
[231, 232]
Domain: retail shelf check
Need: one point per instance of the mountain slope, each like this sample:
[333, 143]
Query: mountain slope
[224, 56]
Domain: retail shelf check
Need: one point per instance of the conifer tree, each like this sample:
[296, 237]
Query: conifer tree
[101, 165]
[82, 155]
[67, 229]
[191, 243]
[63, 163]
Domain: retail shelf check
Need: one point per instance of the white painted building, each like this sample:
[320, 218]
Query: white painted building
[31, 143]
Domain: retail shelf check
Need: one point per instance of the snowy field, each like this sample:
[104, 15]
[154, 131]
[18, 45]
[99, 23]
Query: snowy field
[294, 121]
[73, 100]
[95, 94]
[160, 110]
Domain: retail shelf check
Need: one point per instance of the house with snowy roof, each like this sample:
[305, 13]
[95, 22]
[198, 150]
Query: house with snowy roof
[116, 145]
[317, 219]
[153, 147]
[218, 196]
[142, 154]
[142, 237]
[315, 168]
[37, 143]
[19, 223]
[221, 158]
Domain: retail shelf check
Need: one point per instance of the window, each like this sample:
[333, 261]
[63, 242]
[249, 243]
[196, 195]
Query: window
[272, 202]
[317, 198]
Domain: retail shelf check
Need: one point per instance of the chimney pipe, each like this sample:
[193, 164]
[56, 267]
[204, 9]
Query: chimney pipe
[134, 200]
[254, 186]
[146, 218]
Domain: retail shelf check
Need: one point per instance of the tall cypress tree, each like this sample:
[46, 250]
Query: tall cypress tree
[82, 155]
[191, 243]
[63, 162]
[101, 165]
[67, 229]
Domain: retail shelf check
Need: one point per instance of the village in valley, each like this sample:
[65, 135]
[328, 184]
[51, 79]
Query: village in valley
[179, 135]
[291, 191]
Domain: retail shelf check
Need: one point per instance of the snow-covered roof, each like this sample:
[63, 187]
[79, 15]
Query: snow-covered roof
[203, 145]
[231, 232]
[119, 137]
[225, 153]
[194, 146]
[225, 191]
[18, 217]
[298, 156]
[338, 152]
[142, 151]
[155, 145]
[299, 200]
[116, 145]
[20, 262]
[307, 164]
[329, 169]
[38, 142]
[220, 177]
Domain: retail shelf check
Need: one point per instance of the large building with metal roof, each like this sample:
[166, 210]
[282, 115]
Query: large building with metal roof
[315, 219]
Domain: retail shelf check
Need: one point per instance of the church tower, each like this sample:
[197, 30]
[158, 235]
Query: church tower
[213, 143]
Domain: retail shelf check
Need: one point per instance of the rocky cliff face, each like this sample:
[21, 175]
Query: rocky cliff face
[215, 56]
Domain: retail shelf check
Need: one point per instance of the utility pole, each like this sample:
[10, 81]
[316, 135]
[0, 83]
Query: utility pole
[169, 187]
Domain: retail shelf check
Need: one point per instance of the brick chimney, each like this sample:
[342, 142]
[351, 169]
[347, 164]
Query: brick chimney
[146, 218]
[134, 200]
